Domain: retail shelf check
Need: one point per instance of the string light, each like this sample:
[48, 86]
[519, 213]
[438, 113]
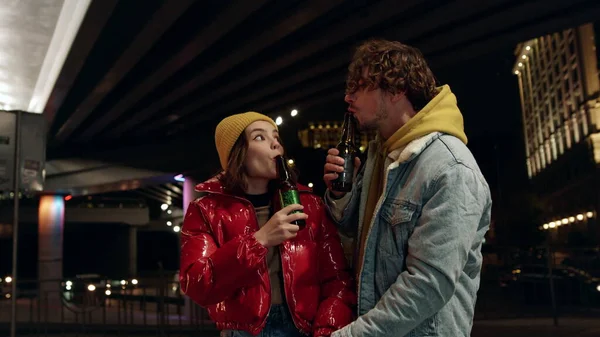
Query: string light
[567, 220]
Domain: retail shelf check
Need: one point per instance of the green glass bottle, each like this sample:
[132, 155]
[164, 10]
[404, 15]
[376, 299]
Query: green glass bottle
[288, 192]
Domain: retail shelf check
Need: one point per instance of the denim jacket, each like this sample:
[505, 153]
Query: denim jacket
[422, 261]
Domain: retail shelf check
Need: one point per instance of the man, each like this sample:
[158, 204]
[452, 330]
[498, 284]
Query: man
[419, 208]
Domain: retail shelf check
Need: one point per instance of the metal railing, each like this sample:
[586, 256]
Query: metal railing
[540, 282]
[104, 307]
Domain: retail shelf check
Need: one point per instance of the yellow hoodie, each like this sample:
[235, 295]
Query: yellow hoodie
[441, 114]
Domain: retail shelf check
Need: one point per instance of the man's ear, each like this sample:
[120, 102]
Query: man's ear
[397, 97]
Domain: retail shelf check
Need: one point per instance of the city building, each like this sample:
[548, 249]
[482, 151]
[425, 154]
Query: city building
[559, 86]
[327, 134]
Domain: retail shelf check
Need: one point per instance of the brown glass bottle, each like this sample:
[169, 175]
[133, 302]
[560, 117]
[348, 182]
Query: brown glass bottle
[288, 192]
[347, 150]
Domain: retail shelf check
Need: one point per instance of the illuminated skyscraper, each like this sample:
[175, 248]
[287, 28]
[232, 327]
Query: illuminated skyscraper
[559, 85]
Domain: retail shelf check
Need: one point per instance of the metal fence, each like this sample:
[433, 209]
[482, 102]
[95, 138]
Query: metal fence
[104, 307]
[538, 282]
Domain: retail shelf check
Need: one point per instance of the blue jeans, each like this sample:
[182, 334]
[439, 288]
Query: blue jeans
[279, 324]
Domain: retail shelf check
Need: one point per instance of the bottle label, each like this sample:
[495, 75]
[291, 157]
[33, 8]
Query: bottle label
[289, 197]
[349, 165]
[348, 173]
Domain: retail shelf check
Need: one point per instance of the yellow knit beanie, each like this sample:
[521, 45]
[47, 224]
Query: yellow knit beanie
[229, 130]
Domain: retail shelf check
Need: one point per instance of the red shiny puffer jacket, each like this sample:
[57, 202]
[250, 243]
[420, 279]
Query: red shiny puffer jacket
[224, 269]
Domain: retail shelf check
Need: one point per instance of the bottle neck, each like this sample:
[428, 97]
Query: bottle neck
[282, 169]
[348, 129]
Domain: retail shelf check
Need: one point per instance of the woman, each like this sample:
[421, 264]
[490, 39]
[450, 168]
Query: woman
[244, 260]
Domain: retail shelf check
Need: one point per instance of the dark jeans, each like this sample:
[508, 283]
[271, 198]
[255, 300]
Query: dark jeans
[279, 324]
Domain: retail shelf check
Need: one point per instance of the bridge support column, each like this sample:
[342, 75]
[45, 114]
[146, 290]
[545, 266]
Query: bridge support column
[133, 254]
[51, 221]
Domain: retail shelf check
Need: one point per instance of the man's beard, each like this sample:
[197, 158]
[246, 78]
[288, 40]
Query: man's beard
[380, 116]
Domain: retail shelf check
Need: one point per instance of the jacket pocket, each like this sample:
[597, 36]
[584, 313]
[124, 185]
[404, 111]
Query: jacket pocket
[398, 220]
[396, 211]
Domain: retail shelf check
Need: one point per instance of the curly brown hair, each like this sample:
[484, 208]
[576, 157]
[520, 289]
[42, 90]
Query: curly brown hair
[393, 67]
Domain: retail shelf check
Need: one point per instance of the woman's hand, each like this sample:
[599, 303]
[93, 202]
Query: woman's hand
[280, 228]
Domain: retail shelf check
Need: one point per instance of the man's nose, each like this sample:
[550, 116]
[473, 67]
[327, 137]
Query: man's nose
[349, 98]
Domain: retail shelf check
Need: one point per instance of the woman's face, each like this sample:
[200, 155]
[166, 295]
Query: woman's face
[263, 147]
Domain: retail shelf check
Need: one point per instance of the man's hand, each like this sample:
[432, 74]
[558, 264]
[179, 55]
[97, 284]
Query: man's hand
[334, 164]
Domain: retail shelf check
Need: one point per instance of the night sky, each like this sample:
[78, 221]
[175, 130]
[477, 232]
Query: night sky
[488, 95]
